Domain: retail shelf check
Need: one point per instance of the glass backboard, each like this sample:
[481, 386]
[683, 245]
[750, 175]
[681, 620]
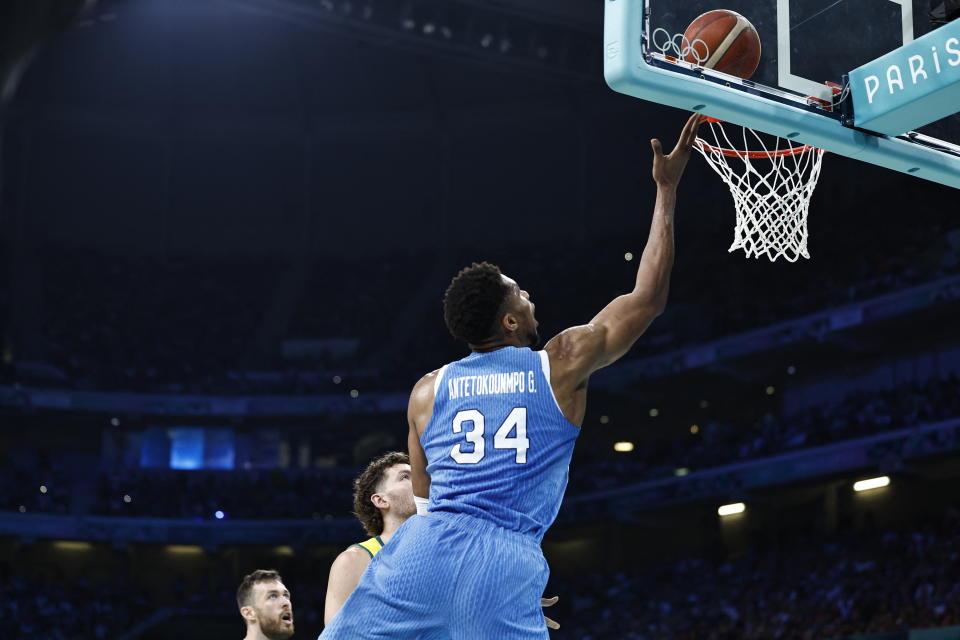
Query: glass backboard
[805, 44]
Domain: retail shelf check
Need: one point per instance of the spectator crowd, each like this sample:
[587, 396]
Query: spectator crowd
[33, 483]
[717, 443]
[269, 494]
[61, 609]
[798, 587]
[190, 325]
[807, 589]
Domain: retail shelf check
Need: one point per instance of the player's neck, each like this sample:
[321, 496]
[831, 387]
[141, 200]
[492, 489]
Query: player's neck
[390, 526]
[254, 633]
[513, 340]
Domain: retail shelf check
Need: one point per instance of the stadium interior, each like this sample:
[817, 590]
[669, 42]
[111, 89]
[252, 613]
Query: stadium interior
[225, 230]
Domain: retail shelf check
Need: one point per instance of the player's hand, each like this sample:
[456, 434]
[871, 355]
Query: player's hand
[549, 602]
[668, 169]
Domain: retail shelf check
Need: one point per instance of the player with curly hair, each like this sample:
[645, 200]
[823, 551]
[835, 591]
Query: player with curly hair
[382, 501]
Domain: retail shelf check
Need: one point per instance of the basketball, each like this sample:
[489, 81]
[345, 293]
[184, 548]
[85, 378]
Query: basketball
[728, 43]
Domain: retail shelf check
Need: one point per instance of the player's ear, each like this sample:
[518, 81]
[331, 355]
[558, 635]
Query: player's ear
[378, 501]
[249, 615]
[510, 322]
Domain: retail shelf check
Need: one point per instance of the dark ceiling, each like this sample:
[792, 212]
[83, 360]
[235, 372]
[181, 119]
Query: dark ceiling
[248, 126]
[279, 126]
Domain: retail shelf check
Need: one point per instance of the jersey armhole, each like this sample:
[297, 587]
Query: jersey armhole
[436, 397]
[436, 383]
[370, 553]
[545, 366]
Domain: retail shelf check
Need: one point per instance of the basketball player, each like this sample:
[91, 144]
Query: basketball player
[490, 441]
[382, 501]
[265, 606]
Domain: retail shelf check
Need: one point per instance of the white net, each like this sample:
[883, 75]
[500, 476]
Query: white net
[771, 190]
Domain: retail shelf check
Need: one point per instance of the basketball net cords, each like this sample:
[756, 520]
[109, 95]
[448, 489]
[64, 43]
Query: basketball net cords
[771, 206]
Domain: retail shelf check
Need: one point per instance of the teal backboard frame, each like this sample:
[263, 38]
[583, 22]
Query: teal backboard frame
[633, 66]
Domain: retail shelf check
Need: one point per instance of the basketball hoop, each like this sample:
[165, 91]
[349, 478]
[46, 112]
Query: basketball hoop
[771, 190]
[772, 186]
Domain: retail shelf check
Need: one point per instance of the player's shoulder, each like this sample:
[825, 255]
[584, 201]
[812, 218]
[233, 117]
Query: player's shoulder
[570, 342]
[349, 565]
[423, 389]
[572, 353]
[354, 555]
[428, 380]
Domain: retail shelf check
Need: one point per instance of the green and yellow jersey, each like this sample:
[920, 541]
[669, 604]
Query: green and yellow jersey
[371, 546]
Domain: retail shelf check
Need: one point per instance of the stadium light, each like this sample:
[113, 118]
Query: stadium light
[731, 509]
[72, 545]
[623, 447]
[871, 483]
[184, 549]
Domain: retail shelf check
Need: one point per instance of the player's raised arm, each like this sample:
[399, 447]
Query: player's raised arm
[625, 319]
[579, 351]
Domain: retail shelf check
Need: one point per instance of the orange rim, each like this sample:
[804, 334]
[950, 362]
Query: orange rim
[753, 155]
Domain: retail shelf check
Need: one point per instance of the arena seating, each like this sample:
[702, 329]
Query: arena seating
[790, 588]
[103, 328]
[319, 493]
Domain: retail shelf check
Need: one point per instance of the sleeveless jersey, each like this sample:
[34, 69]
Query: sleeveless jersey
[371, 546]
[497, 445]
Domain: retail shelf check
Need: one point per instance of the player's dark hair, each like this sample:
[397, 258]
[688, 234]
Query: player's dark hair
[473, 302]
[367, 484]
[245, 589]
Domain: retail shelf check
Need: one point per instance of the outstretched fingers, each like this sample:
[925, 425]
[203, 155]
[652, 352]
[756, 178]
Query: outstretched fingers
[689, 133]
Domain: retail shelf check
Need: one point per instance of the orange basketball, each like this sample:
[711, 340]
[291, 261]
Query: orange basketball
[732, 43]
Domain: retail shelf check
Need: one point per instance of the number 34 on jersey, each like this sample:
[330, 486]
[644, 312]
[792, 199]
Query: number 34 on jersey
[512, 434]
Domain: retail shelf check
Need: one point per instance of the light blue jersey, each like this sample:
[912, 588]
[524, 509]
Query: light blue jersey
[498, 447]
[498, 450]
